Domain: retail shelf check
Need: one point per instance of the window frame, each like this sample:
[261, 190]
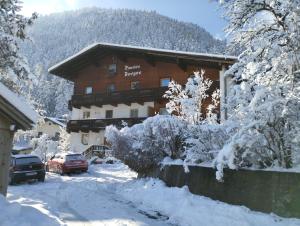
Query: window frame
[86, 92]
[106, 114]
[111, 72]
[161, 80]
[108, 90]
[163, 110]
[86, 115]
[136, 87]
[134, 110]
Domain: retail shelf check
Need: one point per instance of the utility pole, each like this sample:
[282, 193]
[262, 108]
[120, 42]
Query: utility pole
[6, 138]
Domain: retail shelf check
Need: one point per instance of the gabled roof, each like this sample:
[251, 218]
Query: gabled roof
[89, 54]
[16, 109]
[56, 121]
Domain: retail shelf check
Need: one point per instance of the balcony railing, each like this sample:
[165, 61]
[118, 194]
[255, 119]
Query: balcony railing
[95, 125]
[118, 97]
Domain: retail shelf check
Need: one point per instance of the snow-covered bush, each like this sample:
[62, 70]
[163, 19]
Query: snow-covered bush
[144, 145]
[64, 142]
[44, 147]
[204, 142]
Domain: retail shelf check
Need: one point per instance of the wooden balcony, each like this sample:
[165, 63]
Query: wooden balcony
[118, 97]
[95, 125]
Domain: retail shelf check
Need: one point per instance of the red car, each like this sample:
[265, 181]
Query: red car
[67, 163]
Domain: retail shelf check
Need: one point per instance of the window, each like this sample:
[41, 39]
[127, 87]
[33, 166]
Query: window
[84, 139]
[164, 82]
[134, 113]
[86, 115]
[135, 85]
[56, 136]
[163, 111]
[112, 69]
[88, 90]
[108, 113]
[111, 88]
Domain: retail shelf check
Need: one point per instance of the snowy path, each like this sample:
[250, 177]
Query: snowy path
[86, 199]
[110, 195]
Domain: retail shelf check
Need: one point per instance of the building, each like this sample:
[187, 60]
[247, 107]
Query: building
[114, 84]
[50, 126]
[21, 150]
[14, 114]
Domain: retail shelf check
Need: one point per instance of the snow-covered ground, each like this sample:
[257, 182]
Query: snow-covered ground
[111, 195]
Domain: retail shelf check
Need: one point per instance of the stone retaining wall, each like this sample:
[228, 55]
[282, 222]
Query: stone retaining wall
[266, 191]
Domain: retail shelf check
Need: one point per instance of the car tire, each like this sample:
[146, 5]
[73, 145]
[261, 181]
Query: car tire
[60, 171]
[11, 181]
[41, 179]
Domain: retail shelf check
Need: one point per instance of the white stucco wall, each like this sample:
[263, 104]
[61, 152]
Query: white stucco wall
[93, 139]
[48, 128]
[121, 111]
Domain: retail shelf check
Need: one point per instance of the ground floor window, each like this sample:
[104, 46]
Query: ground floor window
[134, 113]
[163, 111]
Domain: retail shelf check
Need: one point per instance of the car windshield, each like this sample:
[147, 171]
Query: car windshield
[74, 157]
[27, 160]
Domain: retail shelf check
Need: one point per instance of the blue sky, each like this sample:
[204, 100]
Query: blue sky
[202, 12]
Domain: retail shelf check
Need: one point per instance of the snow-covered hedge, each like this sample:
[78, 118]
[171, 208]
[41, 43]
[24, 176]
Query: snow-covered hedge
[142, 146]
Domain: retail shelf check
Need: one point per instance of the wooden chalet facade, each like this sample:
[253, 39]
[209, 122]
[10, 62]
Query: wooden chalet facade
[117, 83]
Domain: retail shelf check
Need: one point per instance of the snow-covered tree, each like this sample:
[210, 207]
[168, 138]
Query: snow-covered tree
[188, 103]
[265, 101]
[64, 143]
[12, 28]
[44, 147]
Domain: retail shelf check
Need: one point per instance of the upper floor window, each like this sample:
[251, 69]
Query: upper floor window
[86, 114]
[108, 114]
[112, 69]
[135, 85]
[88, 90]
[134, 113]
[111, 88]
[164, 82]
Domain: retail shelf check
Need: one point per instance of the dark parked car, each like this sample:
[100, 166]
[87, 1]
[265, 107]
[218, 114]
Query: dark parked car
[67, 163]
[26, 167]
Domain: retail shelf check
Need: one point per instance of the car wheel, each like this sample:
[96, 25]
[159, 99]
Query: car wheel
[11, 181]
[60, 171]
[41, 179]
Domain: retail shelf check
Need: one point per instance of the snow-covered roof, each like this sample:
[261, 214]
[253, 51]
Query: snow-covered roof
[210, 57]
[56, 121]
[19, 103]
[24, 156]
